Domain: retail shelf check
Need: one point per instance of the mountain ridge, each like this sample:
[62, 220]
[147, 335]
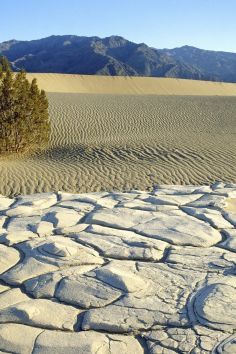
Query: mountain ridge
[117, 56]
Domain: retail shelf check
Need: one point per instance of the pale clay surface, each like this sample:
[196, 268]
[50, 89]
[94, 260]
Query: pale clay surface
[119, 273]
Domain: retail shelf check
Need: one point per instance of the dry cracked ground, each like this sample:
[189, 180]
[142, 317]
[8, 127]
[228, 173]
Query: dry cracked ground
[119, 273]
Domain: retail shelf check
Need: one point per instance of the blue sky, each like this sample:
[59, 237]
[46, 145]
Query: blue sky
[208, 24]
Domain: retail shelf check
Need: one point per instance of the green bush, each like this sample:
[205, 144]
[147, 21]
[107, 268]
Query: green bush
[24, 120]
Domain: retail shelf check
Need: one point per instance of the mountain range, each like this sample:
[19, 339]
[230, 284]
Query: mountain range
[116, 55]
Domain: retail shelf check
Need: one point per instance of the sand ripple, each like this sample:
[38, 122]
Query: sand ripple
[106, 142]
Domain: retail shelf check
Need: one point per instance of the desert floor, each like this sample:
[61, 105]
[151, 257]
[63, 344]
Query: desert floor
[136, 272]
[152, 133]
[123, 272]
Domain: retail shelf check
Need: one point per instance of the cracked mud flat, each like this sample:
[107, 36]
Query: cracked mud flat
[112, 273]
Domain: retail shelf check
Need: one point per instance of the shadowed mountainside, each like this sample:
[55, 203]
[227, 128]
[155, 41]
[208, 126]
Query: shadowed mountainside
[117, 56]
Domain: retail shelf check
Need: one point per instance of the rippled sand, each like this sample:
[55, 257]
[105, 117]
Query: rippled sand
[107, 142]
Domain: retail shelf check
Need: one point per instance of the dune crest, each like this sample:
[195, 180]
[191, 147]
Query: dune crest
[72, 83]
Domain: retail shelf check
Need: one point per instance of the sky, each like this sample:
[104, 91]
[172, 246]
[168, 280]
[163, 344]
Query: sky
[207, 24]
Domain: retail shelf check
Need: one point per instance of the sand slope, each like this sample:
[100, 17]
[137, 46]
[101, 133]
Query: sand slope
[134, 140]
[107, 142]
[131, 85]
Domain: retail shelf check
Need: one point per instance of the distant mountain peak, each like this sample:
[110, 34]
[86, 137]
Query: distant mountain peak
[186, 46]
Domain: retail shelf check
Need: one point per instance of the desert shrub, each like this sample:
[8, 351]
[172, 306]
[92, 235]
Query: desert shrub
[24, 120]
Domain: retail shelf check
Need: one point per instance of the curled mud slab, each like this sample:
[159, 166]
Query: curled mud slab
[113, 273]
[227, 346]
[120, 142]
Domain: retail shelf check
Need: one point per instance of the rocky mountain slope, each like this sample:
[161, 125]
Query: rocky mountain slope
[117, 56]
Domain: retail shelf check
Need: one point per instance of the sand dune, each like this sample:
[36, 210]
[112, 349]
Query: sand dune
[107, 142]
[131, 85]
